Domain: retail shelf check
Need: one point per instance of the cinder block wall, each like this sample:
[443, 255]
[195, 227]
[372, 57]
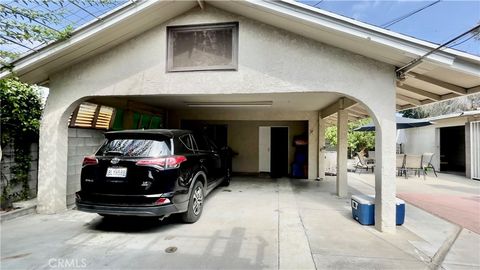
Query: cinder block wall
[7, 162]
[81, 143]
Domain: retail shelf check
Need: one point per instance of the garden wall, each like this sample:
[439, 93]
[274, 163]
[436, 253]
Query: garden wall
[81, 143]
[6, 174]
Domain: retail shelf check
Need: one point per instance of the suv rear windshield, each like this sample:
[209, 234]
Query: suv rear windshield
[135, 148]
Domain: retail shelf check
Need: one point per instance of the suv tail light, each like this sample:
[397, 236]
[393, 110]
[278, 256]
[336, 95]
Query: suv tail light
[172, 162]
[90, 160]
[162, 201]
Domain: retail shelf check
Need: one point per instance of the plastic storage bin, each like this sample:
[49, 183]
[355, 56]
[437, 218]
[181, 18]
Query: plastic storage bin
[363, 209]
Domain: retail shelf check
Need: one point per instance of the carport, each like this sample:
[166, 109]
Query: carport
[293, 63]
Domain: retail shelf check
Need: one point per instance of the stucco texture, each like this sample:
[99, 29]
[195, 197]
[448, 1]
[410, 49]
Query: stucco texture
[270, 60]
[427, 139]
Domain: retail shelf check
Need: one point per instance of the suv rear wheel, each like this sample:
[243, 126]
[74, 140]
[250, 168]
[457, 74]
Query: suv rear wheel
[195, 204]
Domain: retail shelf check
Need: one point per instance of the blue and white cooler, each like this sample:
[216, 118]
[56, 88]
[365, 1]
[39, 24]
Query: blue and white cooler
[363, 209]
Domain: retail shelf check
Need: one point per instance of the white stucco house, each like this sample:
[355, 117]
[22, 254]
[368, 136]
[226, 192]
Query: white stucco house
[454, 140]
[242, 65]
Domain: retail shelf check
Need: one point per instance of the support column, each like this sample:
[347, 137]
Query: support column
[468, 154]
[342, 128]
[52, 161]
[385, 185]
[321, 147]
[312, 147]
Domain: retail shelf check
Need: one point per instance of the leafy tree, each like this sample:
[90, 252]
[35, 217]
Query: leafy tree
[29, 24]
[20, 112]
[456, 105]
[32, 23]
[414, 113]
[357, 140]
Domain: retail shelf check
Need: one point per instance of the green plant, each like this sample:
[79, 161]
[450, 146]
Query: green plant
[20, 112]
[28, 24]
[6, 195]
[33, 23]
[357, 140]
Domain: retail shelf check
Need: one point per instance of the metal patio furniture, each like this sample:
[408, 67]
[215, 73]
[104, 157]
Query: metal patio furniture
[413, 163]
[363, 164]
[400, 164]
[427, 163]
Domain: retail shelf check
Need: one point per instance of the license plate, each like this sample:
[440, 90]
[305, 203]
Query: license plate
[117, 172]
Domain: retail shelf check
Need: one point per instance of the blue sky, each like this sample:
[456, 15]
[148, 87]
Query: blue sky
[438, 23]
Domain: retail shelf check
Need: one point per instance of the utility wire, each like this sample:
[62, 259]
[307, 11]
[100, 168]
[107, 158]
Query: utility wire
[406, 68]
[401, 18]
[17, 43]
[318, 3]
[30, 18]
[461, 42]
[85, 10]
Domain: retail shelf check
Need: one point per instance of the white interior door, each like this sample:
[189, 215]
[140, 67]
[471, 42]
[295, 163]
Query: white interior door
[264, 136]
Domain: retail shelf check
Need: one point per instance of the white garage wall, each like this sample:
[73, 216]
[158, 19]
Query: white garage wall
[427, 139]
[271, 60]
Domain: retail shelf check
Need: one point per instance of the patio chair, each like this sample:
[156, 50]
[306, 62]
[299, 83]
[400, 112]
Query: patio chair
[371, 155]
[427, 163]
[362, 163]
[413, 163]
[400, 164]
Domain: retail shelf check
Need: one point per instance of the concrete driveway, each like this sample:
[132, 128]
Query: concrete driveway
[255, 223]
[451, 197]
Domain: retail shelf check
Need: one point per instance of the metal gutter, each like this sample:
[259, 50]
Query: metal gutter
[402, 71]
[84, 32]
[78, 29]
[365, 28]
[453, 115]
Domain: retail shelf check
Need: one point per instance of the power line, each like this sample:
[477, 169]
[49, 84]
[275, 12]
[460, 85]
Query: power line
[17, 43]
[85, 10]
[406, 68]
[318, 3]
[461, 42]
[401, 18]
[29, 17]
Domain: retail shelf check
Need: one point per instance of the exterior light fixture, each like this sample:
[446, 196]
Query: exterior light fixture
[229, 104]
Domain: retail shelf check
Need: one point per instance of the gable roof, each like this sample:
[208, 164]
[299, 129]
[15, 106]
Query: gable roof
[442, 75]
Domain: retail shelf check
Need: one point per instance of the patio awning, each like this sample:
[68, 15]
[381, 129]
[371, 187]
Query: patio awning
[402, 123]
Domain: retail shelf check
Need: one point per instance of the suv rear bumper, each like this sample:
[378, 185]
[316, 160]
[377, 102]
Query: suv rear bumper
[127, 205]
[146, 211]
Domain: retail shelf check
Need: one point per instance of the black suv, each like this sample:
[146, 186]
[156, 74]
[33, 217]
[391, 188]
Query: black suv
[152, 173]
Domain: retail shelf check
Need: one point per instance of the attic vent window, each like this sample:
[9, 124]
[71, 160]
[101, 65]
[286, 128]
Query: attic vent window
[202, 47]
